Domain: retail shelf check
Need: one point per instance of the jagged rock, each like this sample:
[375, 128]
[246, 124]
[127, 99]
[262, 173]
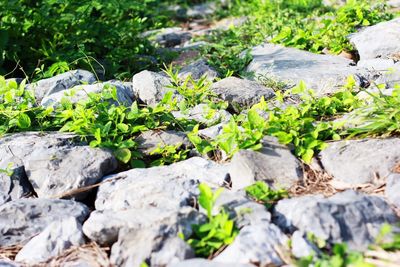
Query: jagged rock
[245, 211]
[55, 238]
[213, 131]
[81, 92]
[60, 82]
[54, 162]
[168, 37]
[158, 246]
[387, 71]
[274, 163]
[323, 73]
[207, 263]
[351, 162]
[15, 186]
[378, 41]
[197, 69]
[350, 217]
[145, 197]
[241, 93]
[150, 87]
[301, 247]
[150, 140]
[20, 220]
[393, 189]
[256, 244]
[204, 114]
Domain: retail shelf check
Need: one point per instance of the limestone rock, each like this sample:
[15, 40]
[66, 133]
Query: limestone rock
[20, 220]
[207, 263]
[150, 140]
[358, 161]
[241, 93]
[393, 189]
[198, 69]
[55, 238]
[350, 217]
[60, 82]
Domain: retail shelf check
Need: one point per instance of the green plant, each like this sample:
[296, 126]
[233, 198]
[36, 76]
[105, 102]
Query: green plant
[262, 193]
[217, 232]
[169, 154]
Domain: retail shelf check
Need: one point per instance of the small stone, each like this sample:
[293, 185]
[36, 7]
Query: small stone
[198, 69]
[301, 247]
[256, 244]
[21, 220]
[357, 162]
[241, 93]
[274, 163]
[60, 82]
[348, 217]
[55, 238]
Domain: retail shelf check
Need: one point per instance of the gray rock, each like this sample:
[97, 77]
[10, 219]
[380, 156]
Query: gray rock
[204, 114]
[241, 93]
[150, 87]
[159, 246]
[349, 217]
[393, 189]
[56, 163]
[21, 220]
[55, 238]
[150, 140]
[378, 41]
[256, 244]
[394, 3]
[274, 163]
[81, 93]
[15, 186]
[147, 197]
[207, 263]
[301, 247]
[387, 71]
[60, 82]
[198, 69]
[8, 263]
[197, 11]
[213, 131]
[323, 73]
[359, 161]
[168, 37]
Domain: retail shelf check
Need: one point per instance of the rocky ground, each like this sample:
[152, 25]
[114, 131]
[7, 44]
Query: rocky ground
[66, 203]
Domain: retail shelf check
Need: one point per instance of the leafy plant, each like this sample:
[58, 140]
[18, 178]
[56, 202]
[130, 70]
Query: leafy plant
[262, 193]
[169, 154]
[217, 232]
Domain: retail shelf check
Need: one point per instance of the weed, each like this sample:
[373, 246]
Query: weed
[262, 193]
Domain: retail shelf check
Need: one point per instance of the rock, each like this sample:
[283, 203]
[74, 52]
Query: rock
[274, 163]
[204, 114]
[226, 24]
[394, 3]
[15, 186]
[162, 244]
[241, 93]
[8, 263]
[206, 263]
[150, 140]
[393, 189]
[150, 87]
[213, 131]
[323, 73]
[378, 41]
[387, 71]
[197, 11]
[198, 69]
[301, 247]
[20, 220]
[168, 37]
[350, 217]
[81, 93]
[350, 161]
[55, 163]
[160, 195]
[55, 238]
[256, 244]
[60, 82]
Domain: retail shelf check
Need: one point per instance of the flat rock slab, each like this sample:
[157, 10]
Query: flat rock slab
[81, 93]
[55, 238]
[274, 163]
[60, 82]
[150, 140]
[241, 93]
[359, 161]
[256, 244]
[323, 73]
[349, 217]
[21, 220]
[198, 69]
[379, 41]
[56, 163]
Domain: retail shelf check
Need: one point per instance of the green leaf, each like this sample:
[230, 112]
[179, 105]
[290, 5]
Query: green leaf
[24, 121]
[123, 154]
